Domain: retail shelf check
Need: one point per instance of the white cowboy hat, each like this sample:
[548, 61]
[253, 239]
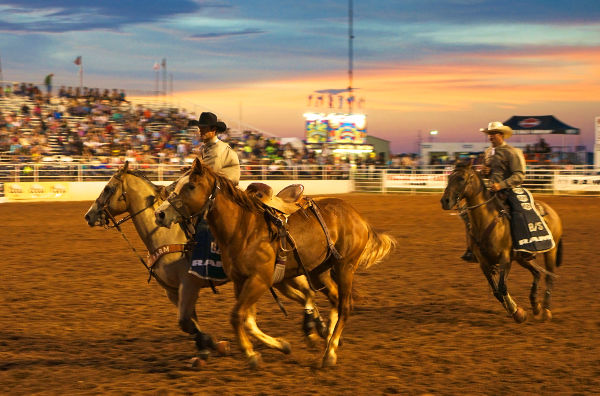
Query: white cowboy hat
[497, 126]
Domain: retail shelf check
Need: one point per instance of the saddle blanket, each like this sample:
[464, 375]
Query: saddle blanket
[206, 256]
[529, 230]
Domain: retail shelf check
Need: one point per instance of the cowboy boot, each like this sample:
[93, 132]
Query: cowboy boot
[468, 255]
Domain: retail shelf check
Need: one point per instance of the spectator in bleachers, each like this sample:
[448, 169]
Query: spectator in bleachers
[48, 83]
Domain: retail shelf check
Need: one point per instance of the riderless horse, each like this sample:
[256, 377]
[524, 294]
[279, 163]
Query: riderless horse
[492, 244]
[168, 262]
[327, 236]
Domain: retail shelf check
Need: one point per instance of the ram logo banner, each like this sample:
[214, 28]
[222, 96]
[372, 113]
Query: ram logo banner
[33, 191]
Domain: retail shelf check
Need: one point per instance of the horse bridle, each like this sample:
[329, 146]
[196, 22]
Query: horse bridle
[459, 197]
[116, 224]
[187, 218]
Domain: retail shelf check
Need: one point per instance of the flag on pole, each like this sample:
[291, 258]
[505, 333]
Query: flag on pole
[79, 63]
[164, 63]
[156, 66]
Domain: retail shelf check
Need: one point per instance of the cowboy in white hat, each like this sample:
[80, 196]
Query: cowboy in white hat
[504, 164]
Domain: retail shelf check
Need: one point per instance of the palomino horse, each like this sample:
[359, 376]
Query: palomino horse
[491, 240]
[130, 191]
[250, 248]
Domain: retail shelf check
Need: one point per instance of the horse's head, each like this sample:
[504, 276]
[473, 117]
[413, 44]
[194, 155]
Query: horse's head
[189, 198]
[460, 184]
[111, 199]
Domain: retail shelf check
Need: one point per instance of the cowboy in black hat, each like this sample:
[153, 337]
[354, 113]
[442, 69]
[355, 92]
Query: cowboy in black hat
[215, 154]
[218, 156]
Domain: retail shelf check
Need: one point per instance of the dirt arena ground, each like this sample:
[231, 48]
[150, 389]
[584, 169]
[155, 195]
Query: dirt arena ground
[77, 316]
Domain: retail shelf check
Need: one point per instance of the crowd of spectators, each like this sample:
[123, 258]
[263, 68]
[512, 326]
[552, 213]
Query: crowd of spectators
[105, 128]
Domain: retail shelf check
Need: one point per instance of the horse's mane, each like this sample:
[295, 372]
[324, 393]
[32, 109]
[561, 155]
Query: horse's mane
[246, 201]
[142, 175]
[486, 193]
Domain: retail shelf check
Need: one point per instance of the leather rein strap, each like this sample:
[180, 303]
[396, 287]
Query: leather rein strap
[117, 225]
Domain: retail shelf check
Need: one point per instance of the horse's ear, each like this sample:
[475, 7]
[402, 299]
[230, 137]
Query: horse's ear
[470, 163]
[197, 166]
[125, 167]
[162, 193]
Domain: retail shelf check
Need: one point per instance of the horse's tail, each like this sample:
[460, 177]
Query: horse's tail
[559, 253]
[377, 248]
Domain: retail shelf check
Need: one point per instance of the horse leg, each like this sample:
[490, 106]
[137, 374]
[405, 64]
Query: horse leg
[535, 305]
[518, 313]
[550, 263]
[187, 319]
[331, 292]
[297, 289]
[345, 276]
[247, 292]
[492, 282]
[275, 343]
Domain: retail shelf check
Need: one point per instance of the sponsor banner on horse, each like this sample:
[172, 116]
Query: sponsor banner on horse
[206, 256]
[411, 180]
[34, 191]
[577, 183]
[529, 230]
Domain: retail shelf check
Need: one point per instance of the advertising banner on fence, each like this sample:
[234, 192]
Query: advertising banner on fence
[581, 183]
[37, 191]
[415, 181]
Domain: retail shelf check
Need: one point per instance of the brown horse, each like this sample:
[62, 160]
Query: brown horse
[491, 240]
[131, 192]
[249, 249]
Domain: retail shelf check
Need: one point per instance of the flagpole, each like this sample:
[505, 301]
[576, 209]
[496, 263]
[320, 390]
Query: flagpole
[79, 62]
[156, 85]
[164, 71]
[1, 79]
[350, 53]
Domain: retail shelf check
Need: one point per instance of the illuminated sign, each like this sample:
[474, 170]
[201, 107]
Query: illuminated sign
[335, 128]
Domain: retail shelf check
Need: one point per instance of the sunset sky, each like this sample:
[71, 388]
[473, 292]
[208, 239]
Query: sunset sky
[419, 65]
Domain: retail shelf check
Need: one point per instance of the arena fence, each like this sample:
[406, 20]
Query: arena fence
[371, 179]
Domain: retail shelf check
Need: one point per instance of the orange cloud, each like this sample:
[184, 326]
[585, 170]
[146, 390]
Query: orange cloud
[461, 94]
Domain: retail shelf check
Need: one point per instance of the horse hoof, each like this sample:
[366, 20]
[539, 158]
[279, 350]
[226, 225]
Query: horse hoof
[197, 363]
[546, 315]
[285, 346]
[329, 361]
[254, 361]
[313, 340]
[537, 309]
[222, 348]
[203, 354]
[520, 315]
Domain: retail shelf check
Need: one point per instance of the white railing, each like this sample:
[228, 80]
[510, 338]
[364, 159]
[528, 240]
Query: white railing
[565, 179]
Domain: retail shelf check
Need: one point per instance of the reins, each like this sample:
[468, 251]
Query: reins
[462, 210]
[117, 225]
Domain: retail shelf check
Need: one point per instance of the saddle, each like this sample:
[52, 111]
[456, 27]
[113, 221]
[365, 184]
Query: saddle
[287, 201]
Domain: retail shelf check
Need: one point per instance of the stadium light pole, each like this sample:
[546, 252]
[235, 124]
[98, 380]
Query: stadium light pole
[350, 54]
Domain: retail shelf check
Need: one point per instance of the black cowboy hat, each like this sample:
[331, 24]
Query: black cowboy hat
[207, 119]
